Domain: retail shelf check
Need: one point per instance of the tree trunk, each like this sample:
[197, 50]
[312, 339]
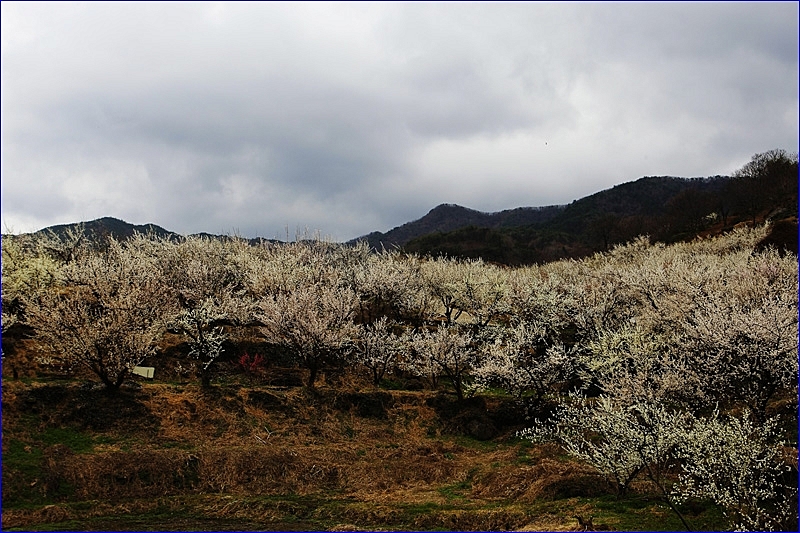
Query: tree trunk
[312, 376]
[111, 386]
[459, 389]
[657, 482]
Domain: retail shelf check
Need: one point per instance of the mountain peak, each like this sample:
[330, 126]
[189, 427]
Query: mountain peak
[454, 209]
[450, 207]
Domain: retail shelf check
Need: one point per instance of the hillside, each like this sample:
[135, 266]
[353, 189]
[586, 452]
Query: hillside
[535, 234]
[259, 457]
[584, 226]
[668, 209]
[270, 440]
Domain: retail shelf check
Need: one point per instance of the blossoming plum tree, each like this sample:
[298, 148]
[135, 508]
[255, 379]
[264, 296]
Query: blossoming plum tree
[738, 463]
[315, 323]
[443, 351]
[377, 348]
[523, 363]
[208, 292]
[106, 316]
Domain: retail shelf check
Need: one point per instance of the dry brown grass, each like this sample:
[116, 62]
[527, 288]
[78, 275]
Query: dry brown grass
[549, 479]
[384, 459]
[14, 518]
[226, 442]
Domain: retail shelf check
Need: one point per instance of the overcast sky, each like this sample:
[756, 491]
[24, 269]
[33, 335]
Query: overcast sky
[346, 118]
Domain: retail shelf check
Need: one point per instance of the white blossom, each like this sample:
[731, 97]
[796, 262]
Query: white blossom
[108, 315]
[314, 322]
[444, 351]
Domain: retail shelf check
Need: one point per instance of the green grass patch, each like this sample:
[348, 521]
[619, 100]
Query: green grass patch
[413, 510]
[456, 491]
[473, 443]
[77, 441]
[22, 457]
[391, 384]
[22, 473]
[633, 513]
[23, 463]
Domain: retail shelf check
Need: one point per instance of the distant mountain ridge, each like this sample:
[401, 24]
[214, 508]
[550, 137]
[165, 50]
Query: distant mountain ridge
[586, 225]
[101, 228]
[450, 217]
[646, 196]
[109, 227]
[664, 207]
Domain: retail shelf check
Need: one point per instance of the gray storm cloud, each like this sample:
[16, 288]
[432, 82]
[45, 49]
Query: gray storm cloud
[348, 118]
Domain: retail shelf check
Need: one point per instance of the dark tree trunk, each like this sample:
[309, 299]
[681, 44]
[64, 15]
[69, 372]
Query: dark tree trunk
[459, 390]
[312, 375]
[111, 386]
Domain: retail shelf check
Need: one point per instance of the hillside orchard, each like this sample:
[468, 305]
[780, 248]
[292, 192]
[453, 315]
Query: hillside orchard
[660, 363]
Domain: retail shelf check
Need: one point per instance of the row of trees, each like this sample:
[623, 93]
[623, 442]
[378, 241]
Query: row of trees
[649, 350]
[712, 311]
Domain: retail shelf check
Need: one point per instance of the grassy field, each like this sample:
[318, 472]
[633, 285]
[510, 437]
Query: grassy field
[175, 457]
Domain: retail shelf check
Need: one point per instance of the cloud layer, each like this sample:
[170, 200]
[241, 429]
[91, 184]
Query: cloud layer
[348, 118]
